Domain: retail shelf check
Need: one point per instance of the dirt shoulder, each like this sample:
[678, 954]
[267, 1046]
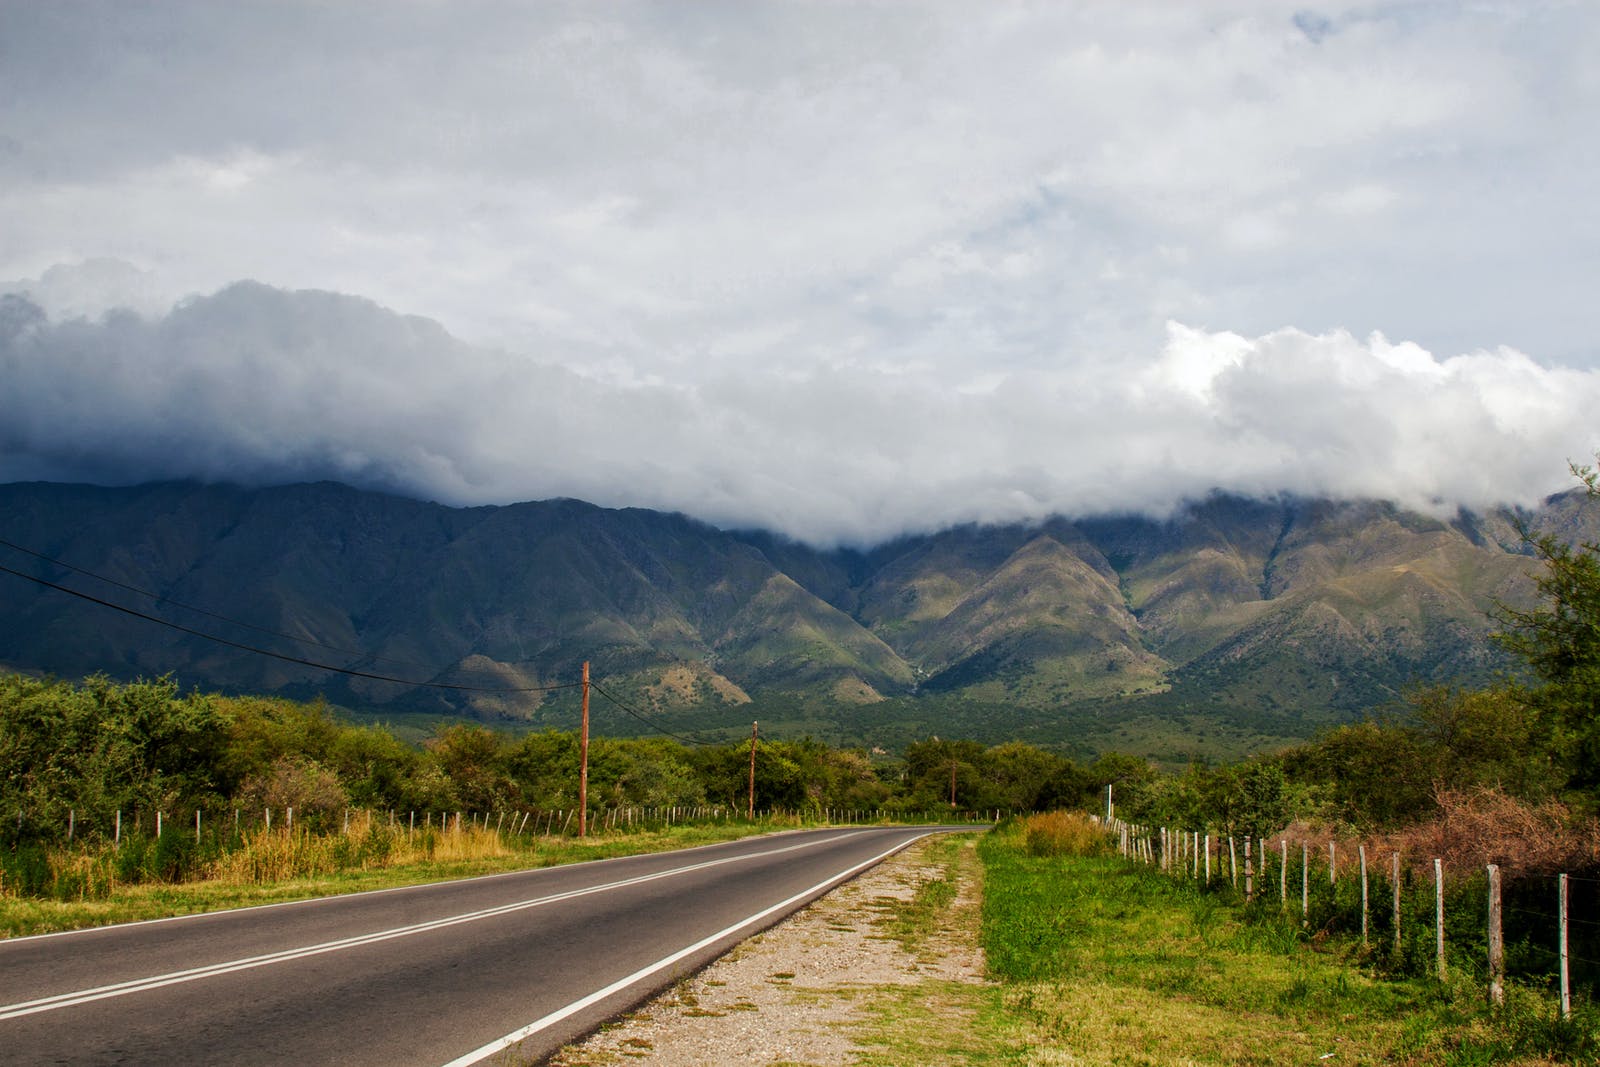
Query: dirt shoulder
[818, 987]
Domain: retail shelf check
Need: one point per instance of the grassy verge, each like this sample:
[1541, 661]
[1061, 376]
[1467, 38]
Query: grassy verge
[277, 867]
[1094, 960]
[1107, 962]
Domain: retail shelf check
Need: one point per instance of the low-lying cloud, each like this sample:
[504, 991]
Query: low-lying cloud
[261, 385]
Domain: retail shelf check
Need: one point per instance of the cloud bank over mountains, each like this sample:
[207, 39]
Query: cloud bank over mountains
[263, 385]
[841, 270]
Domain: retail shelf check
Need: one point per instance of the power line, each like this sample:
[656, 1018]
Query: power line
[161, 599]
[642, 718]
[280, 656]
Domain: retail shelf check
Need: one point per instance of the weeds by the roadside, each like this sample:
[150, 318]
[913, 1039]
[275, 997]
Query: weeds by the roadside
[912, 922]
[1109, 962]
[93, 885]
[1064, 833]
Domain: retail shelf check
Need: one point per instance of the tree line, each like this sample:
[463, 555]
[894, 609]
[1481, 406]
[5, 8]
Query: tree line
[77, 753]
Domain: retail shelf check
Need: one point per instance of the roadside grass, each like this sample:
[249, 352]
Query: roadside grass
[937, 1021]
[1093, 960]
[913, 922]
[271, 867]
[1105, 962]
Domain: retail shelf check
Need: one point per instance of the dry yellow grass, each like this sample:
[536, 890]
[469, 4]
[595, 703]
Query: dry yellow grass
[1063, 833]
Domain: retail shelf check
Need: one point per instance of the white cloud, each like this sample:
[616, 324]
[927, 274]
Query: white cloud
[263, 385]
[932, 248]
[945, 186]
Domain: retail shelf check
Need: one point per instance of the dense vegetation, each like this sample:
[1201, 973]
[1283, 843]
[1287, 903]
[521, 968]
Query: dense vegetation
[74, 755]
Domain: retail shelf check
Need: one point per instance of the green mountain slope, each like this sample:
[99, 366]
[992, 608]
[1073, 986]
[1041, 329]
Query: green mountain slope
[1279, 614]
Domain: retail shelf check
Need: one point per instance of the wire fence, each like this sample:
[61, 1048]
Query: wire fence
[1411, 914]
[89, 859]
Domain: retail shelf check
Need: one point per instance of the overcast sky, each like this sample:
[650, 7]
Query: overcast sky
[840, 269]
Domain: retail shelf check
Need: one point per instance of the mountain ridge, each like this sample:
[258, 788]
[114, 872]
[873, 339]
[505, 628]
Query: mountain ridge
[1299, 608]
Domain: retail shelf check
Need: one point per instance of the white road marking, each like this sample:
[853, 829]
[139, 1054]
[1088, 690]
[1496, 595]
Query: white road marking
[502, 1043]
[137, 985]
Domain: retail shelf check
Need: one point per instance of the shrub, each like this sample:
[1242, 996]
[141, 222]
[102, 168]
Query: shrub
[1061, 833]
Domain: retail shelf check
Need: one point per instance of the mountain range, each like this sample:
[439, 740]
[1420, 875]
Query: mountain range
[1281, 614]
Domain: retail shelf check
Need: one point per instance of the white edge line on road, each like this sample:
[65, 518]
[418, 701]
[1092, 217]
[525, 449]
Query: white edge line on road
[502, 1043]
[88, 930]
[136, 985]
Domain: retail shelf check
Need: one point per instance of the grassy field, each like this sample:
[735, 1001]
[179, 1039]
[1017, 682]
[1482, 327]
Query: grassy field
[1094, 960]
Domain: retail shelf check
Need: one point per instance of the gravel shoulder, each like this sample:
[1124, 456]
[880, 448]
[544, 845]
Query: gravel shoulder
[817, 988]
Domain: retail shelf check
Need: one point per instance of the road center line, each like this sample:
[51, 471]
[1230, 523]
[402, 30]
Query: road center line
[502, 1043]
[137, 985]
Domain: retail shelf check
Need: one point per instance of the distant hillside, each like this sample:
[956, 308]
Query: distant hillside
[1287, 612]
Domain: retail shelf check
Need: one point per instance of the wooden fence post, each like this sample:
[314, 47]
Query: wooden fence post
[1438, 912]
[1497, 944]
[1333, 863]
[1249, 870]
[1396, 877]
[1362, 852]
[1305, 880]
[1283, 872]
[1233, 863]
[1561, 921]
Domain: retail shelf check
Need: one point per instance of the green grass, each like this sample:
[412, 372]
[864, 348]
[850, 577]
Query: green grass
[1105, 962]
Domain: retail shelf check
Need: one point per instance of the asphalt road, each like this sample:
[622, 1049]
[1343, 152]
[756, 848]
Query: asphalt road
[503, 969]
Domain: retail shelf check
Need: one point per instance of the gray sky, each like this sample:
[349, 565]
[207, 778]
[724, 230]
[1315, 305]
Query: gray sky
[840, 269]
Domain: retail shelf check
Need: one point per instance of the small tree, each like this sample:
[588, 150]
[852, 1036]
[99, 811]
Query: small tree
[1559, 638]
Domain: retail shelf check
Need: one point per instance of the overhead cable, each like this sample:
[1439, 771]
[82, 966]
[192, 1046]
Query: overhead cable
[160, 598]
[645, 719]
[288, 659]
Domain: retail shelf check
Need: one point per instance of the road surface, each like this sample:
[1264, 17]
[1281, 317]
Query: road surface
[502, 969]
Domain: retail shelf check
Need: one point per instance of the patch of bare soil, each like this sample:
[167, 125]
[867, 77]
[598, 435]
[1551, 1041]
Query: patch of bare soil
[793, 994]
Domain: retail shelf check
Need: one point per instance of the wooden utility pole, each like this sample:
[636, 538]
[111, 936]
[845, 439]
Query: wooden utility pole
[583, 760]
[750, 811]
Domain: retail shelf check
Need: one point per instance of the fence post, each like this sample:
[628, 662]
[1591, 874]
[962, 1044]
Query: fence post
[1208, 859]
[197, 826]
[1438, 912]
[1497, 944]
[1561, 919]
[1333, 863]
[72, 823]
[1283, 872]
[158, 825]
[117, 840]
[1397, 903]
[1305, 880]
[1249, 870]
[1361, 850]
[1233, 863]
